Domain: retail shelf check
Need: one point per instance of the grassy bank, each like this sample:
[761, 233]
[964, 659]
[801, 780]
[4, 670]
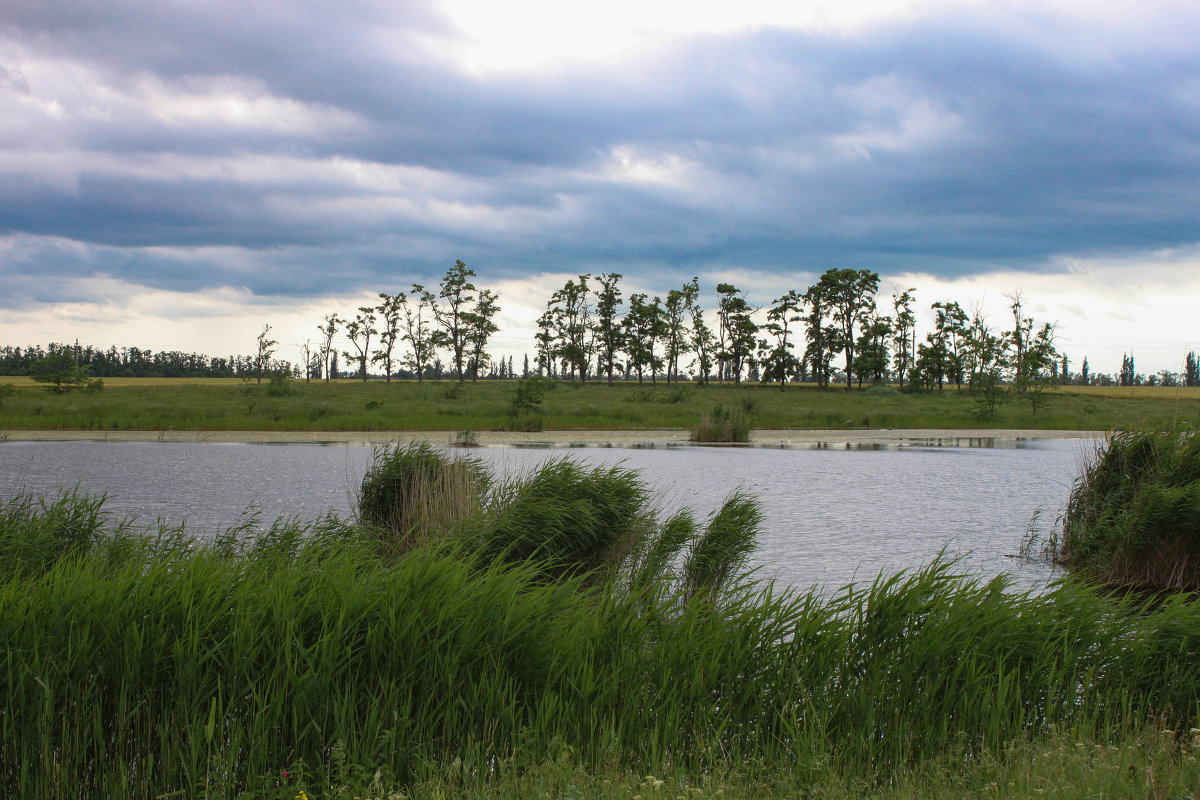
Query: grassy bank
[215, 404]
[554, 636]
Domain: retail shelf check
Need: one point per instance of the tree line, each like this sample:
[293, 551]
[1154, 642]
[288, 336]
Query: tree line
[832, 332]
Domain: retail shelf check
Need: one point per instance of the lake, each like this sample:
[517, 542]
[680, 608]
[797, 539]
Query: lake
[833, 514]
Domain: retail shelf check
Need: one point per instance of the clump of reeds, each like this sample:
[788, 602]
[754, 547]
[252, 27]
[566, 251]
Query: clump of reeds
[37, 532]
[414, 492]
[568, 516]
[1133, 517]
[723, 424]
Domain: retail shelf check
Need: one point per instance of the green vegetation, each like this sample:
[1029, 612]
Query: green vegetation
[1134, 514]
[723, 424]
[229, 404]
[561, 639]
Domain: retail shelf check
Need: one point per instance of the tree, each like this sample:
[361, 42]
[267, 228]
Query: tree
[608, 328]
[737, 332]
[987, 359]
[480, 325]
[306, 350]
[570, 310]
[871, 361]
[266, 349]
[1191, 370]
[417, 317]
[1040, 356]
[674, 319]
[850, 295]
[703, 339]
[641, 327]
[904, 339]
[359, 331]
[1128, 375]
[389, 314]
[778, 359]
[61, 371]
[952, 323]
[822, 339]
[328, 330]
[456, 288]
[544, 340]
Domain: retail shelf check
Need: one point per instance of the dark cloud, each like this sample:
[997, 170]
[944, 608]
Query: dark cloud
[964, 143]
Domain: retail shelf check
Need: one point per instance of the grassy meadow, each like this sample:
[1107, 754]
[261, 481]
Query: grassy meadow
[230, 404]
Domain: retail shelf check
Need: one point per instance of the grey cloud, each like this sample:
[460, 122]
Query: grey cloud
[950, 145]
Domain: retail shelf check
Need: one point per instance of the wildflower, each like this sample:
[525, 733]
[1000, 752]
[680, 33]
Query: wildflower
[302, 795]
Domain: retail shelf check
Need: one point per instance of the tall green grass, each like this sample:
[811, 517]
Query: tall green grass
[178, 667]
[1134, 514]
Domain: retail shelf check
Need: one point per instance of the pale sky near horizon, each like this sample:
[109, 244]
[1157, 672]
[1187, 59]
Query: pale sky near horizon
[175, 174]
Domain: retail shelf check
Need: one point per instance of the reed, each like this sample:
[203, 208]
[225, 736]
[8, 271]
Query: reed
[724, 424]
[191, 667]
[413, 492]
[1134, 514]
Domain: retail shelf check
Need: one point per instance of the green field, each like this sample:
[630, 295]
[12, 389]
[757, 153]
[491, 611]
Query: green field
[230, 404]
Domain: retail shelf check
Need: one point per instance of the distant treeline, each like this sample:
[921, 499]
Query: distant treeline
[134, 362]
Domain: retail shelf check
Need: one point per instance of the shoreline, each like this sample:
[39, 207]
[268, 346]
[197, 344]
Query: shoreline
[809, 437]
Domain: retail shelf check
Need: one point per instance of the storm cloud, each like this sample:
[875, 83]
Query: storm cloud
[297, 149]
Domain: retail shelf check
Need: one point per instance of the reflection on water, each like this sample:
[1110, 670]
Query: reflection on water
[835, 513]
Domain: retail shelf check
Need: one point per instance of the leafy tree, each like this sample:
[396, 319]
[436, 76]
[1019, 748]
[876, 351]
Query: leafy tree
[480, 325]
[61, 371]
[850, 295]
[328, 355]
[904, 337]
[778, 358]
[675, 340]
[607, 333]
[359, 331]
[871, 360]
[570, 310]
[1128, 376]
[456, 288]
[702, 338]
[265, 349]
[417, 320]
[822, 338]
[1191, 370]
[642, 327]
[952, 323]
[389, 309]
[545, 338]
[1040, 356]
[737, 332]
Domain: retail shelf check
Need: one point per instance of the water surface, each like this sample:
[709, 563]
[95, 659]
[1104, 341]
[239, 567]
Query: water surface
[833, 515]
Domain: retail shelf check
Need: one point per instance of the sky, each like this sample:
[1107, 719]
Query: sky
[175, 175]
